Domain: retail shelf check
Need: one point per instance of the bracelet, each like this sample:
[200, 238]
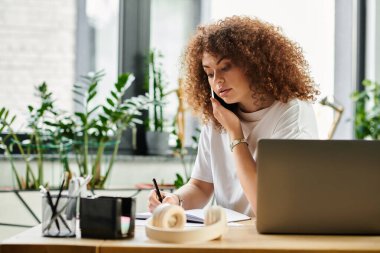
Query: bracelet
[180, 200]
[237, 142]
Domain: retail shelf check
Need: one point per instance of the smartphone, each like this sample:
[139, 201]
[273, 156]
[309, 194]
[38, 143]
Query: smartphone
[231, 107]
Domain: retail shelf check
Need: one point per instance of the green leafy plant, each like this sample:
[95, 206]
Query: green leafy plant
[92, 127]
[40, 141]
[36, 123]
[367, 115]
[155, 84]
[86, 92]
[108, 124]
[6, 122]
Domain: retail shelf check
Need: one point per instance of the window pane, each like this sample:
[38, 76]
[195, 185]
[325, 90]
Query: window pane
[172, 23]
[37, 44]
[41, 41]
[103, 21]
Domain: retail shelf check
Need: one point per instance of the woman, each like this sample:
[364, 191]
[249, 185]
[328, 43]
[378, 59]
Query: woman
[262, 89]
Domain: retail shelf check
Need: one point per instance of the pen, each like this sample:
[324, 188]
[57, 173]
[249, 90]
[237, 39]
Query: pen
[56, 206]
[59, 196]
[53, 212]
[157, 190]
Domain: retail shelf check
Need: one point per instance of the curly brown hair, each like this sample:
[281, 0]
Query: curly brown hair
[273, 64]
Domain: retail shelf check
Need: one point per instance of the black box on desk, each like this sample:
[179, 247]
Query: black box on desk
[107, 217]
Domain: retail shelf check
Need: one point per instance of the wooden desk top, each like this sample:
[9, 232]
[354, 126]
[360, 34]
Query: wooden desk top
[238, 239]
[31, 240]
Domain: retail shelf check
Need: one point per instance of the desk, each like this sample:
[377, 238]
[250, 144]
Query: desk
[31, 240]
[238, 239]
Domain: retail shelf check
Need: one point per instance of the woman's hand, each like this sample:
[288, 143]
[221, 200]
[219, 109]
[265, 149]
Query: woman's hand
[153, 201]
[227, 119]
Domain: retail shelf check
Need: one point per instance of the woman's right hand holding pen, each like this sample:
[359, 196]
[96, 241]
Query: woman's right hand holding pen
[153, 200]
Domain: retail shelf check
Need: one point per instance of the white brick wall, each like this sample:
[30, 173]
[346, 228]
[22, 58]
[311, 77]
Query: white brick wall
[37, 43]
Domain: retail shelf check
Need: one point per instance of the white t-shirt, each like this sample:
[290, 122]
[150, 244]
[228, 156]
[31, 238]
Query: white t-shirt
[215, 163]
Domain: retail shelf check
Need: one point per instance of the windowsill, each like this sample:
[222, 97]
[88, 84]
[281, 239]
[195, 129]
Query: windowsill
[119, 158]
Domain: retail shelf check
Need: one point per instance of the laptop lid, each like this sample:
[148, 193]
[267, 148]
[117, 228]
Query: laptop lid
[318, 186]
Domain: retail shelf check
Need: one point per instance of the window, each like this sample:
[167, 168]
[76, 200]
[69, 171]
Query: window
[37, 44]
[102, 17]
[172, 24]
[56, 42]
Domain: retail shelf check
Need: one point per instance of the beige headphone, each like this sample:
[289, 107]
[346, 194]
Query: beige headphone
[168, 221]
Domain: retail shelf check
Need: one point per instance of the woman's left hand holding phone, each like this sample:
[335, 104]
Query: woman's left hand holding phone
[227, 119]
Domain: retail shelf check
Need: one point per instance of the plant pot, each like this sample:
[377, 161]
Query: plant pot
[157, 143]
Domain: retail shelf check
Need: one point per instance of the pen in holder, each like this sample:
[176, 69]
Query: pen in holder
[57, 218]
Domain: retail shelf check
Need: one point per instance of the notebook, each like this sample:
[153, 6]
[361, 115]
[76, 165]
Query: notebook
[318, 186]
[197, 215]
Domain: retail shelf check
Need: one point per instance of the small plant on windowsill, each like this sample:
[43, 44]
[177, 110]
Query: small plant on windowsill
[367, 115]
[157, 135]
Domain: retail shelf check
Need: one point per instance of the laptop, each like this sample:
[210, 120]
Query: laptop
[318, 187]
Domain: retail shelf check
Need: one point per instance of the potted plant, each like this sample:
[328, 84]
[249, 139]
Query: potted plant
[367, 116]
[157, 137]
[42, 138]
[105, 128]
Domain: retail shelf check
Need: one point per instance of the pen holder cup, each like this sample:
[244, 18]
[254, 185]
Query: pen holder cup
[62, 221]
[107, 217]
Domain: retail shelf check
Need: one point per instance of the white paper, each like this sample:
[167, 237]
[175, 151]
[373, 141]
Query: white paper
[197, 215]
[143, 216]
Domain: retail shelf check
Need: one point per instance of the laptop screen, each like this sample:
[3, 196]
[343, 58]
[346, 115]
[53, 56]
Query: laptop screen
[318, 186]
